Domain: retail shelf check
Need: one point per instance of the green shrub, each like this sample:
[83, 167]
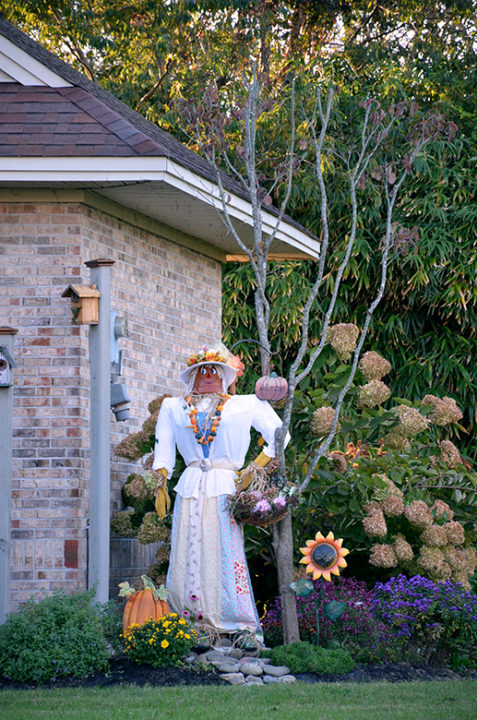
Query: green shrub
[58, 636]
[112, 623]
[305, 657]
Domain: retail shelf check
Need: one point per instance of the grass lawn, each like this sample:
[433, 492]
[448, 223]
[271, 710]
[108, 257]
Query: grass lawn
[442, 700]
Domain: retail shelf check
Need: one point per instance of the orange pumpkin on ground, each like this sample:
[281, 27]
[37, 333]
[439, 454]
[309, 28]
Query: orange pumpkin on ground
[143, 605]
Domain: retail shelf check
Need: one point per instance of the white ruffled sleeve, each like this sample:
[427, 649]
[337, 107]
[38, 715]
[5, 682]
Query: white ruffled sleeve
[266, 421]
[165, 445]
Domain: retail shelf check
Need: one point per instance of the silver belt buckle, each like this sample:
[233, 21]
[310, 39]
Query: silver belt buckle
[205, 465]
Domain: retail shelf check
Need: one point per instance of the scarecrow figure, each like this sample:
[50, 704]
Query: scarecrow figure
[208, 575]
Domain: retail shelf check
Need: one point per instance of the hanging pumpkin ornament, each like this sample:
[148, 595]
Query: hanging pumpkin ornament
[271, 387]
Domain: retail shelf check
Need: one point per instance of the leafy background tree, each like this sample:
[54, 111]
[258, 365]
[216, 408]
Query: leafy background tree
[153, 54]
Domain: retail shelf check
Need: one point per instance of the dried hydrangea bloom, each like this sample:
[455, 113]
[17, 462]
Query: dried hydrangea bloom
[471, 554]
[150, 530]
[396, 440]
[370, 507]
[411, 422]
[322, 421]
[392, 505]
[456, 557]
[441, 510]
[435, 536]
[383, 556]
[403, 550]
[444, 411]
[343, 338]
[135, 487]
[373, 366]
[149, 425]
[454, 532]
[121, 524]
[340, 464]
[389, 489]
[418, 514]
[155, 405]
[375, 392]
[449, 454]
[148, 461]
[463, 579]
[375, 525]
[131, 447]
[163, 554]
[432, 562]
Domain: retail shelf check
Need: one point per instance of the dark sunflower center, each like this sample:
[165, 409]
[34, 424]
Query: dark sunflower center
[324, 556]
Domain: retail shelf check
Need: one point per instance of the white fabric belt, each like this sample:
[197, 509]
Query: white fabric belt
[205, 465]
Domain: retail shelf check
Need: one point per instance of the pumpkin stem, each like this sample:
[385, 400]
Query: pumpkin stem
[147, 582]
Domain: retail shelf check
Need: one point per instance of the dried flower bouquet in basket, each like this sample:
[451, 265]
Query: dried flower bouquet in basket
[263, 501]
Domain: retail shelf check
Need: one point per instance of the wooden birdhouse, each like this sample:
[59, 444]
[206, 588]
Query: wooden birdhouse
[84, 303]
[6, 367]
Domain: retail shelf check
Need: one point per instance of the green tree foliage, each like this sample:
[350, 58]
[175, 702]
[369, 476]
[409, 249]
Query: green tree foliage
[151, 53]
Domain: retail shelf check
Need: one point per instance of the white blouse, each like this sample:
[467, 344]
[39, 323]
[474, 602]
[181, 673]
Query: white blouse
[230, 445]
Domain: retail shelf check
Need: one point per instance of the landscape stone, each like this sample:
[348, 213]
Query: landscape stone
[228, 667]
[253, 680]
[269, 679]
[216, 655]
[287, 679]
[277, 670]
[251, 669]
[201, 659]
[233, 678]
[236, 653]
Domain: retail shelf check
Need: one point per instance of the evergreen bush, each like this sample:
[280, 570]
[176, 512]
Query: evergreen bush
[61, 635]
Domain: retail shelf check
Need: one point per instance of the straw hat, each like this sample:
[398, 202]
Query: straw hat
[209, 356]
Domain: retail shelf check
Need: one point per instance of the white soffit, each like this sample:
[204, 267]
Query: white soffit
[18, 66]
[163, 190]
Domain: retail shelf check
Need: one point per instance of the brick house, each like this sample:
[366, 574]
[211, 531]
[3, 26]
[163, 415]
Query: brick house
[83, 177]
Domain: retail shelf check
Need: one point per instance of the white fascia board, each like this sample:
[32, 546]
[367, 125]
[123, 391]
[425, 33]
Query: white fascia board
[24, 69]
[148, 169]
[239, 208]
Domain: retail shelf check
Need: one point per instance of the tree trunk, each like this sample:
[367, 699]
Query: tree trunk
[283, 545]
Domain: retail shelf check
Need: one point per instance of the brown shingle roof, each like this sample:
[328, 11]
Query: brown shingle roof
[42, 121]
[101, 107]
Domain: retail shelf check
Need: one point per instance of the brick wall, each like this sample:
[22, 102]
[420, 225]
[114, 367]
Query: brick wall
[171, 296]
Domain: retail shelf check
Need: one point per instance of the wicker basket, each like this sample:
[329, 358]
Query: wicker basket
[263, 521]
[242, 504]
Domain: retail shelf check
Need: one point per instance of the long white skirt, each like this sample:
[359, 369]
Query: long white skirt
[208, 575]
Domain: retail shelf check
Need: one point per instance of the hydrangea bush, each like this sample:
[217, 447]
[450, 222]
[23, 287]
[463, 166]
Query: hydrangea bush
[429, 622]
[419, 537]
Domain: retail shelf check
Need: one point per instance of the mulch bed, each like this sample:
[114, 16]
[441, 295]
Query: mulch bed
[124, 672]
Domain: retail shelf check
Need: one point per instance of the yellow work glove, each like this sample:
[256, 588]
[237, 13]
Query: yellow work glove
[163, 501]
[244, 477]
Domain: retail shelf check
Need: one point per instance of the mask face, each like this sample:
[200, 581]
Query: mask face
[207, 380]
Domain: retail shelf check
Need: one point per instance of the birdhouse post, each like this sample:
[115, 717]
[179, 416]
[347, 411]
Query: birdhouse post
[6, 420]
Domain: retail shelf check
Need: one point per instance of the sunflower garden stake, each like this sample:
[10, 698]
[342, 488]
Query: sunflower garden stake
[322, 557]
